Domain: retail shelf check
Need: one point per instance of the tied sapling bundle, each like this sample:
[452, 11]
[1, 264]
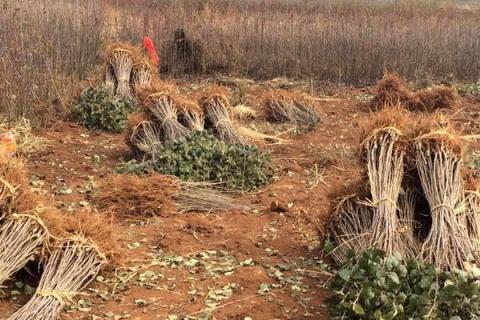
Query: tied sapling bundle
[216, 109]
[384, 160]
[438, 158]
[71, 267]
[146, 139]
[110, 80]
[122, 63]
[190, 114]
[164, 111]
[21, 237]
[350, 227]
[472, 216]
[142, 76]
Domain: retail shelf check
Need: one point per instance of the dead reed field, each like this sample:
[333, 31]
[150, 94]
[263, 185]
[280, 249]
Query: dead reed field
[47, 46]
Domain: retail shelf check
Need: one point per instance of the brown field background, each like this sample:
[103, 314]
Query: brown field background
[47, 46]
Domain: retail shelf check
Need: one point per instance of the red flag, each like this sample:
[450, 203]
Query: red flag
[150, 47]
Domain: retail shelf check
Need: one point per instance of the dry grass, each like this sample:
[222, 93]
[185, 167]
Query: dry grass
[27, 143]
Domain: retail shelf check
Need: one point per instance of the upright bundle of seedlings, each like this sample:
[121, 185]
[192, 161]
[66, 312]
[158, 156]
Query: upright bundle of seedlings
[285, 106]
[22, 233]
[121, 61]
[84, 242]
[216, 109]
[406, 220]
[141, 76]
[164, 112]
[143, 136]
[384, 154]
[350, 227]
[110, 80]
[472, 216]
[438, 158]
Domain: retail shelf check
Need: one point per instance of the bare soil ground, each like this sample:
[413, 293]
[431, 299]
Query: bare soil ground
[257, 265]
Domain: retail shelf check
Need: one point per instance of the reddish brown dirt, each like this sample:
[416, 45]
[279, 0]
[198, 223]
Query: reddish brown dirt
[77, 159]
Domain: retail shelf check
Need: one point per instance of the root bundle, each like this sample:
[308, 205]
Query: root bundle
[392, 91]
[284, 106]
[216, 109]
[71, 267]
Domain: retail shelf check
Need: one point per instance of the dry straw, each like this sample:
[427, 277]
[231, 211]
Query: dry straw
[438, 159]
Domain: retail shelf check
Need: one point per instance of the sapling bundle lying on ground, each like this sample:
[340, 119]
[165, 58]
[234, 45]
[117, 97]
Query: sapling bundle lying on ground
[438, 157]
[160, 195]
[286, 106]
[164, 112]
[350, 227]
[143, 137]
[384, 154]
[217, 112]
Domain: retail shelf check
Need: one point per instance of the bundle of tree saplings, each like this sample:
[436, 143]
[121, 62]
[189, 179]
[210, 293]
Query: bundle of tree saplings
[132, 196]
[291, 107]
[392, 91]
[78, 253]
[384, 155]
[217, 110]
[22, 233]
[438, 154]
[125, 65]
[349, 226]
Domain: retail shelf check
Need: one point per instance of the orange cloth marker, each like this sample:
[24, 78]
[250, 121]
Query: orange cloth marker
[150, 47]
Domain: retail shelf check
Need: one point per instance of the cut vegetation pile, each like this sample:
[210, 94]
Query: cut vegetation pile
[393, 91]
[386, 217]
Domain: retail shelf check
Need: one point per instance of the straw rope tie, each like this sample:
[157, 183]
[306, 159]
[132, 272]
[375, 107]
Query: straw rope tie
[63, 297]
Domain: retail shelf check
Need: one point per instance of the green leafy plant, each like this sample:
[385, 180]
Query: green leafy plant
[202, 157]
[376, 286]
[134, 167]
[97, 110]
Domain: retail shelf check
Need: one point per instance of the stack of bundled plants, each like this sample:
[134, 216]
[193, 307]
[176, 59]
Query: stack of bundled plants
[291, 107]
[414, 167]
[97, 110]
[393, 91]
[74, 248]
